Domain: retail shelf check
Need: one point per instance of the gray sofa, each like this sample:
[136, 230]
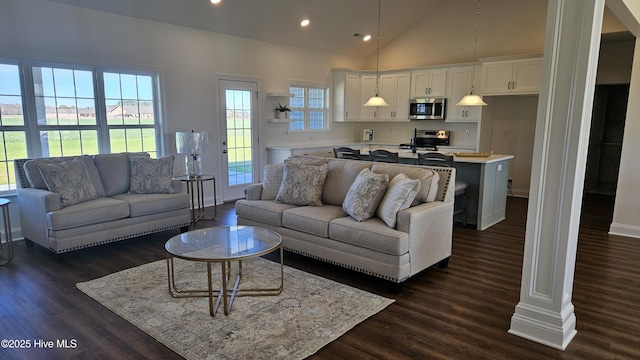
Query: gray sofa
[111, 213]
[421, 237]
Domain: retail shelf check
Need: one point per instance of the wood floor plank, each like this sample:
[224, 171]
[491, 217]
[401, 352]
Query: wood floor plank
[461, 312]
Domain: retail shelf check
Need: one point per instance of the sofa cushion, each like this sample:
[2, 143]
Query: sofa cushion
[271, 180]
[365, 194]
[428, 178]
[340, 176]
[114, 171]
[302, 184]
[151, 176]
[145, 204]
[372, 234]
[70, 179]
[34, 177]
[264, 211]
[91, 212]
[399, 196]
[312, 219]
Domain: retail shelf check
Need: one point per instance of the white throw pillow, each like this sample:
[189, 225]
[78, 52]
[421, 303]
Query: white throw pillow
[271, 181]
[365, 194]
[399, 196]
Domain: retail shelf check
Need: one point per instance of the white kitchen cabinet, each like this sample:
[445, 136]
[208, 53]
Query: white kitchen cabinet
[326, 152]
[511, 77]
[346, 96]
[395, 89]
[367, 90]
[459, 84]
[431, 83]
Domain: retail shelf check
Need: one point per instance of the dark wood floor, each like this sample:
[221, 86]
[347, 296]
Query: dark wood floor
[462, 312]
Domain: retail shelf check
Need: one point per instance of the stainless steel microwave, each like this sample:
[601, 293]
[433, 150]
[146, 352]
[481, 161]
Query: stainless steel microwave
[427, 108]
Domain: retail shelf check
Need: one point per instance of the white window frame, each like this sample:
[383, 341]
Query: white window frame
[307, 110]
[32, 129]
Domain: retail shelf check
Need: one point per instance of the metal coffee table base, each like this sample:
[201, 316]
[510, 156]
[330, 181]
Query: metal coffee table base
[224, 294]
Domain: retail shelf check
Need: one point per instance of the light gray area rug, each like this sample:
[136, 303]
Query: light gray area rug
[310, 312]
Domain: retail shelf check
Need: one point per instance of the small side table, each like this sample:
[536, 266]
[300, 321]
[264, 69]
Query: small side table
[6, 258]
[197, 195]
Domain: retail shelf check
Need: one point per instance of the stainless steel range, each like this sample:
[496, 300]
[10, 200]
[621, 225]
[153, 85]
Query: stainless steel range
[427, 140]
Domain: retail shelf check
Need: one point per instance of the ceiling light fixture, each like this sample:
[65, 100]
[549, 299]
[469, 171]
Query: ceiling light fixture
[305, 22]
[216, 2]
[472, 99]
[366, 37]
[377, 100]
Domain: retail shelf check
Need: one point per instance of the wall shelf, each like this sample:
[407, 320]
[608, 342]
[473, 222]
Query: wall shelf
[278, 94]
[279, 120]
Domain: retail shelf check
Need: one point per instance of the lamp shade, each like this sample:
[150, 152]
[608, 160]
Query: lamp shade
[192, 142]
[376, 101]
[471, 100]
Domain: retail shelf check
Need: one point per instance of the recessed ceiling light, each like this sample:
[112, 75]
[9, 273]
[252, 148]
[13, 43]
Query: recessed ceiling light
[215, 2]
[366, 38]
[305, 22]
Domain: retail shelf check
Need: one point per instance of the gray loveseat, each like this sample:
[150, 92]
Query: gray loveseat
[421, 237]
[61, 223]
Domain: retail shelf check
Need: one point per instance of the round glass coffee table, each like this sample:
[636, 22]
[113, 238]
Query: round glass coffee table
[224, 245]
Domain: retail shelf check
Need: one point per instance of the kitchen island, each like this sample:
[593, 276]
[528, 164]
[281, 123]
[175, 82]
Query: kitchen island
[487, 178]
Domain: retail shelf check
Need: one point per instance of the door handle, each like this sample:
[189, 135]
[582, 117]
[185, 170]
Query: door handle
[224, 151]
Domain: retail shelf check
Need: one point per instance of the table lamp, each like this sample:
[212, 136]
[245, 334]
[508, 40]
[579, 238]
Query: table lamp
[192, 145]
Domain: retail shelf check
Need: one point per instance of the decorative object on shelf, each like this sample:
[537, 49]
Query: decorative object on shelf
[377, 100]
[473, 99]
[192, 145]
[281, 111]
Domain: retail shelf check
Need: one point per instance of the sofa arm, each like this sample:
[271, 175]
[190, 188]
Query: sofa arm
[430, 229]
[33, 206]
[253, 192]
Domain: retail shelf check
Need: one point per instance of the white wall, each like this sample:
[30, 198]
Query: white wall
[187, 60]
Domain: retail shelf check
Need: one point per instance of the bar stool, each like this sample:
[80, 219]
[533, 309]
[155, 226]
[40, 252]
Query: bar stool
[461, 188]
[384, 156]
[346, 153]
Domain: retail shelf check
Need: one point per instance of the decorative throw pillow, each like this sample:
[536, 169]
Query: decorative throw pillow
[271, 181]
[399, 195]
[70, 179]
[365, 194]
[151, 176]
[302, 184]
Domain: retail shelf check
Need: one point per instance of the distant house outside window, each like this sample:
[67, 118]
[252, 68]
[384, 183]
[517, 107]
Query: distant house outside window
[308, 109]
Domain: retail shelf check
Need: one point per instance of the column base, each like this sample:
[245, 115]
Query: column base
[543, 326]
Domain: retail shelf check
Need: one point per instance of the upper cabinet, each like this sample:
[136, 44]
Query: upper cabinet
[346, 96]
[511, 77]
[459, 84]
[431, 83]
[394, 88]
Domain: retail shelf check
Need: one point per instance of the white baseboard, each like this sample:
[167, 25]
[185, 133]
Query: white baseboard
[625, 230]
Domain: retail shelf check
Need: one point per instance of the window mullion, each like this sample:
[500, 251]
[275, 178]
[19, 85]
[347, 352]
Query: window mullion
[104, 145]
[34, 148]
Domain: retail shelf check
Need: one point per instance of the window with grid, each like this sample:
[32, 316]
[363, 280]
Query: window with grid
[75, 111]
[307, 108]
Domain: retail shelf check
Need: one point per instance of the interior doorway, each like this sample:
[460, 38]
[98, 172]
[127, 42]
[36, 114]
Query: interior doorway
[605, 139]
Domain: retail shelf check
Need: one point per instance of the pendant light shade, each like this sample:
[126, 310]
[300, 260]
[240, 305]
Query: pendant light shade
[377, 100]
[472, 99]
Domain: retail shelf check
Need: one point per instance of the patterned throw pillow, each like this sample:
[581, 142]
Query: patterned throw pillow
[151, 176]
[70, 179]
[399, 195]
[302, 184]
[271, 181]
[365, 194]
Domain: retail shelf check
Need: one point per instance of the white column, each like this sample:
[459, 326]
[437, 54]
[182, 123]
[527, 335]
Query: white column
[545, 313]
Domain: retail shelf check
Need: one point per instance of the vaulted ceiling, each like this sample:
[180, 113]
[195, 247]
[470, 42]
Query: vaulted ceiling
[332, 29]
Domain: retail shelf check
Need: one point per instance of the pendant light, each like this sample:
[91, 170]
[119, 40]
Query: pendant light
[473, 99]
[377, 100]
